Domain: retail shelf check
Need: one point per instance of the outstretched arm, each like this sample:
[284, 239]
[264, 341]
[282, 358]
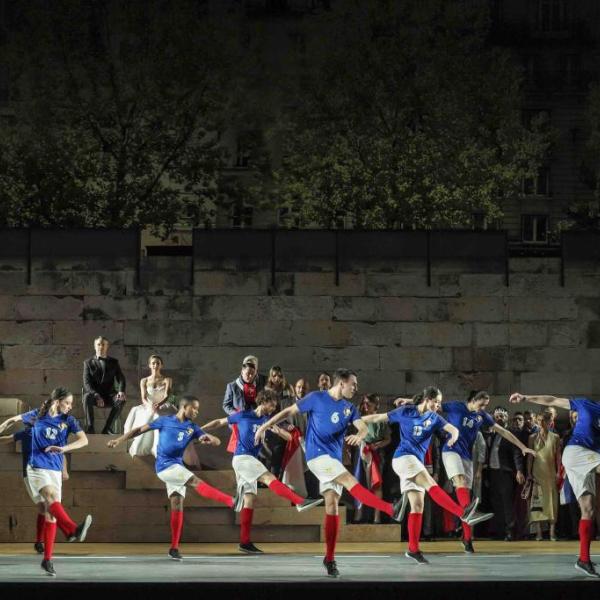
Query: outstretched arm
[280, 416]
[507, 435]
[543, 400]
[209, 440]
[375, 418]
[10, 422]
[6, 439]
[81, 440]
[360, 435]
[127, 436]
[214, 424]
[453, 431]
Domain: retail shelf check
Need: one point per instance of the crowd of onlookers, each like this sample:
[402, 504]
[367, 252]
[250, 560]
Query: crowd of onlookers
[530, 497]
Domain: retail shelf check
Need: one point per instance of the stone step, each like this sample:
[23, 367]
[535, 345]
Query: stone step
[367, 533]
[145, 479]
[290, 516]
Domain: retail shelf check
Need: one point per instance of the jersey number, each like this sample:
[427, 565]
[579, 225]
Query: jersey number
[180, 436]
[51, 433]
[467, 422]
[417, 430]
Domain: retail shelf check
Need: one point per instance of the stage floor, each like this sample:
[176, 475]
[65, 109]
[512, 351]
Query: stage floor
[221, 563]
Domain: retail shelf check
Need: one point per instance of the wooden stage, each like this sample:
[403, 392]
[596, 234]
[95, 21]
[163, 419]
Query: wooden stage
[497, 569]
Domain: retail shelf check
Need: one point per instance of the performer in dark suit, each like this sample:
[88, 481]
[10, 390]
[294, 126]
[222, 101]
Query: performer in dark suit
[103, 385]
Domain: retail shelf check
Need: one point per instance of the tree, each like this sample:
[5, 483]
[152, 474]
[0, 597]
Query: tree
[404, 116]
[118, 110]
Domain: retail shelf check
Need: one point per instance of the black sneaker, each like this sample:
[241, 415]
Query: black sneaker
[468, 546]
[417, 557]
[400, 508]
[470, 509]
[175, 554]
[587, 568]
[477, 517]
[81, 530]
[308, 504]
[49, 568]
[331, 566]
[250, 549]
[39, 547]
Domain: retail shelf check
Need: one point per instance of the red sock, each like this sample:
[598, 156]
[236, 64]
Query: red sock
[208, 491]
[64, 522]
[586, 528]
[49, 537]
[332, 526]
[415, 521]
[245, 525]
[285, 492]
[176, 527]
[439, 496]
[39, 528]
[464, 498]
[363, 495]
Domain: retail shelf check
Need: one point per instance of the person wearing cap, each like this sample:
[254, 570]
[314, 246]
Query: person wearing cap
[240, 394]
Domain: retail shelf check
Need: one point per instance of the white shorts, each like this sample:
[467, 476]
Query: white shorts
[175, 477]
[40, 478]
[407, 467]
[580, 464]
[247, 471]
[326, 469]
[28, 488]
[455, 464]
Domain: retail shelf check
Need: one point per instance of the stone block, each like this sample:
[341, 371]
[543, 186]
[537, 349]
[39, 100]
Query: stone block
[159, 332]
[506, 383]
[56, 308]
[353, 357]
[566, 333]
[85, 332]
[488, 309]
[357, 309]
[482, 284]
[26, 332]
[12, 406]
[593, 334]
[490, 334]
[258, 333]
[401, 284]
[70, 377]
[169, 308]
[383, 383]
[49, 282]
[588, 309]
[8, 307]
[537, 285]
[321, 333]
[106, 308]
[407, 309]
[556, 384]
[21, 381]
[103, 283]
[430, 359]
[528, 334]
[564, 360]
[231, 283]
[323, 284]
[462, 359]
[541, 309]
[526, 359]
[375, 334]
[490, 359]
[13, 282]
[43, 356]
[171, 282]
[451, 334]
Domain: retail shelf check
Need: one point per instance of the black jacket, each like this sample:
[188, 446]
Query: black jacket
[103, 376]
[509, 456]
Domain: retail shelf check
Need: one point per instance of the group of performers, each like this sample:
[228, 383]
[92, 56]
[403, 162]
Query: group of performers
[329, 413]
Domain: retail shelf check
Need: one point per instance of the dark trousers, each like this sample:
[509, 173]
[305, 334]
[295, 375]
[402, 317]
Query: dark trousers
[90, 400]
[501, 495]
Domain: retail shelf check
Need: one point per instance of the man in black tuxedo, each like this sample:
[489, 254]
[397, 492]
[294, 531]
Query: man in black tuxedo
[103, 385]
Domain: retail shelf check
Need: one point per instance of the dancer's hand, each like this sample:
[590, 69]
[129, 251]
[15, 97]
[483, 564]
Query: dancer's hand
[516, 398]
[259, 436]
[354, 440]
[113, 443]
[527, 451]
[54, 449]
[520, 478]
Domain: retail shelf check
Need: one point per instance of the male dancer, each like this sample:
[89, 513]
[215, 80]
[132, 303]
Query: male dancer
[581, 459]
[175, 433]
[468, 418]
[329, 414]
[249, 470]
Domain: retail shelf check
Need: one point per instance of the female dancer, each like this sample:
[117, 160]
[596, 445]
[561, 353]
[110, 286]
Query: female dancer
[417, 424]
[249, 470]
[48, 444]
[581, 459]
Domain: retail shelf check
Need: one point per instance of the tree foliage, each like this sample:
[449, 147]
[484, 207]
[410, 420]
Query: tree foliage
[404, 116]
[118, 111]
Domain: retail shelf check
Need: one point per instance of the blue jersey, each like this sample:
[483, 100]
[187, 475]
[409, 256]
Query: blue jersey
[51, 431]
[586, 432]
[173, 438]
[24, 436]
[248, 422]
[416, 430]
[468, 422]
[328, 420]
[29, 418]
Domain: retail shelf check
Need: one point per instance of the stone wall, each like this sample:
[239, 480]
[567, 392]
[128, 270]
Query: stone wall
[466, 330]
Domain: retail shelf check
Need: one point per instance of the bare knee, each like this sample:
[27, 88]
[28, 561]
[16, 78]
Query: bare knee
[417, 501]
[176, 501]
[249, 500]
[459, 481]
[331, 502]
[586, 504]
[267, 478]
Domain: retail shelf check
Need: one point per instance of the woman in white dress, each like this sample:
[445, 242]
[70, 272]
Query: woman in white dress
[154, 393]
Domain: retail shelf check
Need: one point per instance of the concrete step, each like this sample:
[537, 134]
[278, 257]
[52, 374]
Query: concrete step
[9, 407]
[144, 479]
[367, 533]
[290, 516]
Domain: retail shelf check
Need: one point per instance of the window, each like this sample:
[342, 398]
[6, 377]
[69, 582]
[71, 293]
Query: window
[552, 16]
[242, 153]
[287, 218]
[241, 215]
[538, 185]
[534, 229]
[4, 85]
[570, 70]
